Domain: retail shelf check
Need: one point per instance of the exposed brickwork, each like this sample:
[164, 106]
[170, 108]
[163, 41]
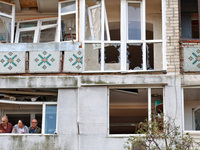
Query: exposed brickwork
[172, 36]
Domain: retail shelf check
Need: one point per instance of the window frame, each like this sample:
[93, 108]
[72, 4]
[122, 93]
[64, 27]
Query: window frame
[183, 111]
[12, 17]
[60, 14]
[36, 29]
[124, 37]
[180, 12]
[149, 107]
[43, 104]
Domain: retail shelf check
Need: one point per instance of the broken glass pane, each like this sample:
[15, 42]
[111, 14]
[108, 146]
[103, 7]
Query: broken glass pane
[134, 21]
[112, 20]
[134, 57]
[68, 26]
[5, 29]
[47, 35]
[153, 19]
[154, 56]
[68, 7]
[28, 24]
[112, 56]
[26, 37]
[92, 57]
[93, 20]
[5, 8]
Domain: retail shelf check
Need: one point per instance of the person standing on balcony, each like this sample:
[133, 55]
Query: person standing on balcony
[5, 126]
[20, 128]
[34, 128]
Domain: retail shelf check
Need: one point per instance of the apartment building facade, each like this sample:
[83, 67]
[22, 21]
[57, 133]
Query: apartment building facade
[91, 70]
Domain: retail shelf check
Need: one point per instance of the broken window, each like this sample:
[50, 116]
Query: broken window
[109, 56]
[112, 57]
[190, 19]
[191, 109]
[130, 106]
[6, 22]
[30, 104]
[130, 33]
[68, 20]
[36, 31]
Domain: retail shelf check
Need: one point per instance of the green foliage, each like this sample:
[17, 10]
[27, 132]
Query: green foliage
[160, 135]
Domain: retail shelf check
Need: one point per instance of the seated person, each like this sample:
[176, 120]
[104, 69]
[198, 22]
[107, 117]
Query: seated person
[34, 128]
[20, 128]
[5, 126]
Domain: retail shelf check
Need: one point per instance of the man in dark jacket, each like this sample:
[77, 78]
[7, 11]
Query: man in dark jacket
[34, 128]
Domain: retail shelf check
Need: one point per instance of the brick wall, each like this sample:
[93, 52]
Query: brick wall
[172, 36]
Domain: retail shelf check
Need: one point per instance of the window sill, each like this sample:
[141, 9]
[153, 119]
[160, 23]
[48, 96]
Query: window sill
[191, 132]
[12, 134]
[190, 41]
[127, 72]
[123, 135]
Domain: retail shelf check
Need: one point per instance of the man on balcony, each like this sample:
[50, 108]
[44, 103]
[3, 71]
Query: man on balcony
[5, 126]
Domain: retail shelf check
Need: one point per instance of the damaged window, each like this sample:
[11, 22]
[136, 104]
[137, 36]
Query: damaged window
[130, 35]
[40, 104]
[6, 22]
[189, 19]
[107, 56]
[130, 106]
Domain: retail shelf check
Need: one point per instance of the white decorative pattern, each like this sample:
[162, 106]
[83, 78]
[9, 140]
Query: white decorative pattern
[12, 62]
[192, 59]
[45, 61]
[73, 61]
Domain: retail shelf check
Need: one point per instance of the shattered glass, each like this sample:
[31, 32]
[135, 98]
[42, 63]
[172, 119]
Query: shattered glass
[112, 56]
[134, 57]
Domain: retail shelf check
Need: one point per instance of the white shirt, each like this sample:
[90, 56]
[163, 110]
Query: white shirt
[21, 130]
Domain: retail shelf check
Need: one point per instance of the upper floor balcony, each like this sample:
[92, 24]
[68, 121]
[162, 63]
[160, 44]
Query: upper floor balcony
[61, 37]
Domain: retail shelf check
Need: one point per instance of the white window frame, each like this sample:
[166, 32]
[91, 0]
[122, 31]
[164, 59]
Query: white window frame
[60, 14]
[183, 112]
[36, 29]
[12, 17]
[43, 104]
[124, 36]
[149, 108]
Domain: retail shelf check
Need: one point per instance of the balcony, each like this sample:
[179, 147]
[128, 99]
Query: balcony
[22, 58]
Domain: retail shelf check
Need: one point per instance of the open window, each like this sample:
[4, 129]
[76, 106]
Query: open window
[130, 106]
[190, 19]
[68, 20]
[7, 21]
[31, 104]
[127, 36]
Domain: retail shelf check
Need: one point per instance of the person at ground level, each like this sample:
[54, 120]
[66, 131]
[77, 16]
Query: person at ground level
[5, 126]
[20, 128]
[34, 128]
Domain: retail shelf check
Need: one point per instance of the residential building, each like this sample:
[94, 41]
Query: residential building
[91, 70]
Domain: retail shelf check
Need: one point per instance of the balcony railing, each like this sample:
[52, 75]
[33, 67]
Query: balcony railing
[190, 59]
[40, 58]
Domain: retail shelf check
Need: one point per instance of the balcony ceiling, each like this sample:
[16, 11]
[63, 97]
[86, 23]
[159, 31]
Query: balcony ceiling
[43, 6]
